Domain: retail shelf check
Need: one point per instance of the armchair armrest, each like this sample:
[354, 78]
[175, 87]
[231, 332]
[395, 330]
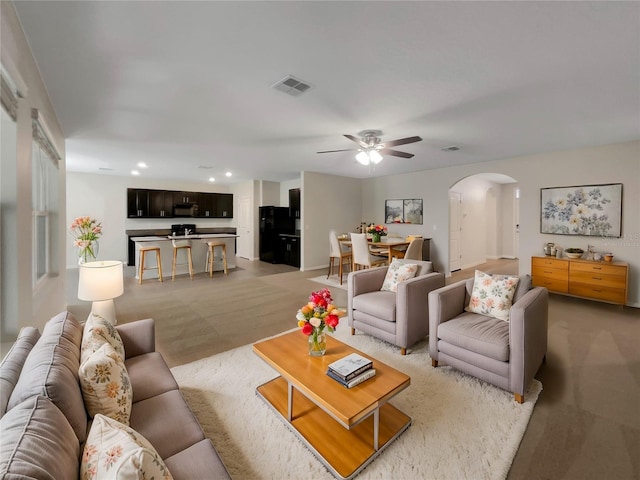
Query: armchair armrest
[364, 281]
[412, 307]
[528, 323]
[444, 304]
[139, 337]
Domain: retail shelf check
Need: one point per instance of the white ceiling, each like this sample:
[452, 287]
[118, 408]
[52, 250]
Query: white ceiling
[180, 85]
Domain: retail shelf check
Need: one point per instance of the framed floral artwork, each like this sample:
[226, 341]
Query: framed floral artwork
[588, 210]
[408, 210]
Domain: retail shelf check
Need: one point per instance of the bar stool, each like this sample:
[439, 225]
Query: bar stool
[141, 267]
[179, 245]
[210, 255]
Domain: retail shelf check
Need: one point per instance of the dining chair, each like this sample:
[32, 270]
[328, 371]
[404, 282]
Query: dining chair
[339, 251]
[414, 250]
[361, 255]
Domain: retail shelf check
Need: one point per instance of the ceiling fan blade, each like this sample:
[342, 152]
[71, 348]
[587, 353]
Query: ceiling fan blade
[402, 141]
[356, 139]
[332, 151]
[396, 153]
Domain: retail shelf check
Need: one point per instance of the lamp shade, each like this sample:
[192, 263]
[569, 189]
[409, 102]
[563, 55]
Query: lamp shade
[100, 281]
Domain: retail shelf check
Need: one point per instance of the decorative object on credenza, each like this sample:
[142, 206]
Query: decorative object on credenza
[608, 257]
[376, 232]
[550, 249]
[86, 231]
[574, 252]
[100, 283]
[408, 210]
[589, 210]
[319, 313]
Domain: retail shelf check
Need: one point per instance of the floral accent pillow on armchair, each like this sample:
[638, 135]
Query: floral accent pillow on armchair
[396, 273]
[492, 295]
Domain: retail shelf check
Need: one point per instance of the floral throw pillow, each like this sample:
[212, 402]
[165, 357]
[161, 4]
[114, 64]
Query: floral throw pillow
[114, 450]
[396, 273]
[105, 384]
[492, 295]
[97, 331]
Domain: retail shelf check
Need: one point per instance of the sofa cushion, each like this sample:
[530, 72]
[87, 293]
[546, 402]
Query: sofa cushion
[38, 442]
[167, 422]
[98, 330]
[105, 383]
[198, 458]
[378, 304]
[477, 333]
[492, 295]
[116, 451]
[149, 375]
[396, 273]
[12, 363]
[51, 370]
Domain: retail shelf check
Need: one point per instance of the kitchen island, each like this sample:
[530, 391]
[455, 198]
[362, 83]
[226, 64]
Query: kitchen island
[199, 249]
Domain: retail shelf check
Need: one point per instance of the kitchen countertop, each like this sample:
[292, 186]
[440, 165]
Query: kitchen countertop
[158, 238]
[293, 235]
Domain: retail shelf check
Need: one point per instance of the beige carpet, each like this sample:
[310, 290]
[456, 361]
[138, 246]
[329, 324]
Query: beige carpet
[462, 428]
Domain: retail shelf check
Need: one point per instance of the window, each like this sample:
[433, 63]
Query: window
[44, 199]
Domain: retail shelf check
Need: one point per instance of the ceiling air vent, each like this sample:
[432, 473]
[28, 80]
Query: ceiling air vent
[452, 148]
[292, 86]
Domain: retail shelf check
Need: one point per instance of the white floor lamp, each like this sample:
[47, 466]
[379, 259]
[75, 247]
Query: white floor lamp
[101, 282]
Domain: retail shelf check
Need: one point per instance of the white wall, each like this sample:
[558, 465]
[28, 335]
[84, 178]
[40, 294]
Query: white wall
[329, 203]
[33, 306]
[104, 197]
[618, 163]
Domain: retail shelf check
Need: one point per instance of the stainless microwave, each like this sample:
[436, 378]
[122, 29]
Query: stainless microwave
[185, 210]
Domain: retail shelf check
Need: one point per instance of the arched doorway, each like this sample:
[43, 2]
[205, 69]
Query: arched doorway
[483, 220]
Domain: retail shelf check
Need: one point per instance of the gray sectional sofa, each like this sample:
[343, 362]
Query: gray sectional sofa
[44, 421]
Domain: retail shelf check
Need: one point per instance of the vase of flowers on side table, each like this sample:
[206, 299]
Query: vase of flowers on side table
[319, 313]
[377, 232]
[86, 232]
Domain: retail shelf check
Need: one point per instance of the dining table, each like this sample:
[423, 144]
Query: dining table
[392, 247]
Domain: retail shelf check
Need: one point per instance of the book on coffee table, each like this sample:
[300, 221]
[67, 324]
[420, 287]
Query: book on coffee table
[350, 366]
[366, 375]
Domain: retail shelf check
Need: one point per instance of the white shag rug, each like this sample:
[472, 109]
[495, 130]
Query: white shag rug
[462, 428]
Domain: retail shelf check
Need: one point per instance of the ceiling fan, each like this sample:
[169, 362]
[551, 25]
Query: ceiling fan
[372, 147]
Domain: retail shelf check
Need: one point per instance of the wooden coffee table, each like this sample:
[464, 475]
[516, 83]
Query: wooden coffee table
[345, 428]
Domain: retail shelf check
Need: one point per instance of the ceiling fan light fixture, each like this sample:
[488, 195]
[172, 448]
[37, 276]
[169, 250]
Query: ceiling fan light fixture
[375, 157]
[362, 157]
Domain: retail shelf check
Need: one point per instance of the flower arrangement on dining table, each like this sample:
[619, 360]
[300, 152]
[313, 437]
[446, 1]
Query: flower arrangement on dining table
[377, 231]
[86, 231]
[319, 313]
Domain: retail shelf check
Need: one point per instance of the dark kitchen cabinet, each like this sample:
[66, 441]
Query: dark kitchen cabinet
[160, 203]
[224, 205]
[294, 202]
[207, 205]
[290, 250]
[137, 202]
[184, 198]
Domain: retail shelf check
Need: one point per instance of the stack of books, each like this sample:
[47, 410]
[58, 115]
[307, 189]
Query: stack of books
[351, 370]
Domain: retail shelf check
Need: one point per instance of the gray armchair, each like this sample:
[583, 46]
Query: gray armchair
[505, 354]
[400, 318]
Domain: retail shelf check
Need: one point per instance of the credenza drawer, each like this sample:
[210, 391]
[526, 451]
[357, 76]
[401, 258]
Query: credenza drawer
[550, 272]
[592, 267]
[598, 279]
[550, 262]
[551, 284]
[607, 294]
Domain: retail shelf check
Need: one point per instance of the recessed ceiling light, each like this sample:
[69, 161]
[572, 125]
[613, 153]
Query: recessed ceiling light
[211, 179]
[135, 172]
[142, 165]
[228, 174]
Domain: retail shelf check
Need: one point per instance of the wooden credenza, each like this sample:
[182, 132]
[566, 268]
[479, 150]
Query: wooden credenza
[606, 282]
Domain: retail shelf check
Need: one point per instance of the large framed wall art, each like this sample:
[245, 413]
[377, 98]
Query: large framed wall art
[408, 210]
[589, 210]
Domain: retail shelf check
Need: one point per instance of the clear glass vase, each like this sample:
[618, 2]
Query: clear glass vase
[317, 344]
[375, 237]
[88, 252]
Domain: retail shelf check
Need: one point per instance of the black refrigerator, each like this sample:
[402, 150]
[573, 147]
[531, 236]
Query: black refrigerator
[273, 222]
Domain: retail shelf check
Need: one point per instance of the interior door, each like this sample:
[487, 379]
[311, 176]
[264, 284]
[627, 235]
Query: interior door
[455, 231]
[245, 233]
